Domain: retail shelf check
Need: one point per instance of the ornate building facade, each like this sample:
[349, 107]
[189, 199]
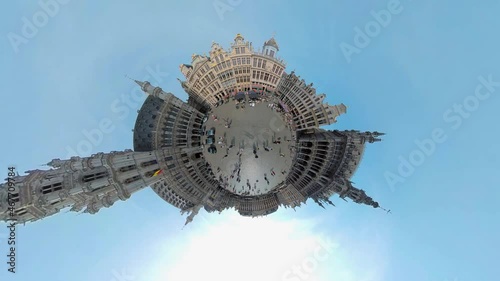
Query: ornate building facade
[170, 147]
[88, 184]
[225, 72]
[306, 107]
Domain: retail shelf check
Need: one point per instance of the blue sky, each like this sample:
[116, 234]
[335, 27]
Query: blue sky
[444, 223]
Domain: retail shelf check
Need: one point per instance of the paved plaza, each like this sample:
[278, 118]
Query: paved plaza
[254, 147]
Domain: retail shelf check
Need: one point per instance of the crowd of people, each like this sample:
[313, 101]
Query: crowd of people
[231, 178]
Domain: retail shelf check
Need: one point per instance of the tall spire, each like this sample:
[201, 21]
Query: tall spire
[140, 83]
[143, 85]
[147, 88]
[194, 212]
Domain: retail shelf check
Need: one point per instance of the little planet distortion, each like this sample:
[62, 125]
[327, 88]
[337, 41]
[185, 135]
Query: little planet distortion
[247, 138]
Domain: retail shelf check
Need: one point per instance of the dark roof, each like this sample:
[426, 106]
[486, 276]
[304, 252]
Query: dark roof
[272, 42]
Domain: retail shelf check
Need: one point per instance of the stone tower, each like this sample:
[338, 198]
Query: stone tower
[88, 184]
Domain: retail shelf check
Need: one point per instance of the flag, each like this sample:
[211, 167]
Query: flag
[157, 172]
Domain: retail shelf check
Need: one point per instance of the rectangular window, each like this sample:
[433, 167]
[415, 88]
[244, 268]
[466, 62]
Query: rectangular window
[239, 61]
[254, 62]
[248, 60]
[264, 64]
[272, 53]
[234, 61]
[242, 50]
[260, 63]
[237, 51]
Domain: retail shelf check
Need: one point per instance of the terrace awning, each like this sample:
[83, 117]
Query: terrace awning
[253, 95]
[240, 96]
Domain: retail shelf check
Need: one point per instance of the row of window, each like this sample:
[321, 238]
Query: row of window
[225, 75]
[223, 65]
[240, 61]
[219, 58]
[203, 69]
[240, 50]
[260, 63]
[297, 99]
[270, 52]
[242, 70]
[92, 177]
[214, 87]
[244, 79]
[264, 76]
[277, 69]
[228, 83]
